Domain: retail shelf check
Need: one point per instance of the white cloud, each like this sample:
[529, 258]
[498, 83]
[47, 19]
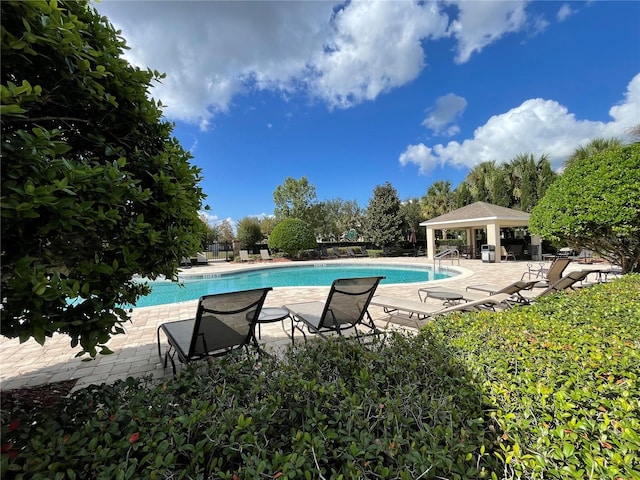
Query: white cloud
[564, 12]
[209, 218]
[340, 53]
[480, 24]
[212, 51]
[375, 47]
[422, 156]
[627, 113]
[447, 109]
[537, 126]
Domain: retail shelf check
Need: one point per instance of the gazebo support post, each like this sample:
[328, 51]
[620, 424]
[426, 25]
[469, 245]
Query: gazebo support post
[431, 243]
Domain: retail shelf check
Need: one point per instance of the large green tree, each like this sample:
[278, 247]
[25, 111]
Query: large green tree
[295, 199]
[249, 232]
[438, 200]
[383, 220]
[95, 190]
[595, 204]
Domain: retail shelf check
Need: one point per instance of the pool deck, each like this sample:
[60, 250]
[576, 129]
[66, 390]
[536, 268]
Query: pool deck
[135, 353]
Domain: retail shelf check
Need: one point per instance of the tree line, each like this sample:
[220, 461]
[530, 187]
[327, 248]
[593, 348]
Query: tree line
[386, 219]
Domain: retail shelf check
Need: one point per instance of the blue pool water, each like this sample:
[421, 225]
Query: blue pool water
[194, 286]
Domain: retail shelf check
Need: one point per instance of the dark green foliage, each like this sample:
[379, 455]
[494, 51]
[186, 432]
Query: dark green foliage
[549, 391]
[518, 184]
[291, 236]
[383, 221]
[249, 232]
[595, 204]
[563, 378]
[94, 188]
[393, 409]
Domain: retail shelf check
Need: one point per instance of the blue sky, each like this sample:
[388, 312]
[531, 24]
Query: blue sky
[352, 95]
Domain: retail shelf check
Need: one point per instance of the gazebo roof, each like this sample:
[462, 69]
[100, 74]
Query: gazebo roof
[479, 213]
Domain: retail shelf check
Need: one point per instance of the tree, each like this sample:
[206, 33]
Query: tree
[94, 188]
[480, 180]
[438, 200]
[249, 232]
[291, 236]
[211, 236]
[595, 204]
[412, 216]
[383, 221]
[267, 224]
[594, 146]
[462, 195]
[295, 199]
[339, 216]
[226, 231]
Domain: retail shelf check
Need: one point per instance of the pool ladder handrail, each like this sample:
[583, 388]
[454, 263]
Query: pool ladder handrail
[450, 253]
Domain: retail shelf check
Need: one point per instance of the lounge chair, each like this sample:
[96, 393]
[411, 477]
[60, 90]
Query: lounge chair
[244, 256]
[350, 252]
[392, 305]
[201, 258]
[514, 289]
[505, 255]
[568, 282]
[345, 308]
[363, 252]
[548, 275]
[337, 253]
[603, 275]
[223, 322]
[264, 254]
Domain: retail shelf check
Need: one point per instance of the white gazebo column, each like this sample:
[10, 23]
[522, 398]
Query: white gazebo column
[536, 240]
[431, 243]
[493, 238]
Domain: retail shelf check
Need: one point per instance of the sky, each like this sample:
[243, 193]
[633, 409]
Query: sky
[352, 95]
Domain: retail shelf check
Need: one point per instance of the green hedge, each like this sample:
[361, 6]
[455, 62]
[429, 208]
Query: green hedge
[563, 379]
[548, 391]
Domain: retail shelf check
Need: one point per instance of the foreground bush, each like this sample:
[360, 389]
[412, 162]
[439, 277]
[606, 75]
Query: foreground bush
[549, 391]
[563, 377]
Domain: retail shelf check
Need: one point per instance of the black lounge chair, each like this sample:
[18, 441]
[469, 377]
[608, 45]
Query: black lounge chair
[345, 308]
[224, 322]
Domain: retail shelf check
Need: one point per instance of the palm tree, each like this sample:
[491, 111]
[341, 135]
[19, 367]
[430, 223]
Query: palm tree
[594, 146]
[438, 200]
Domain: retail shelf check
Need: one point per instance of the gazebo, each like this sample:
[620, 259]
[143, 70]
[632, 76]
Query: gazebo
[481, 220]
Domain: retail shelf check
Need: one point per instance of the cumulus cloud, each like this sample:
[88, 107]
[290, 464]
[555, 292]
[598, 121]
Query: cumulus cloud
[447, 109]
[340, 53]
[520, 129]
[479, 24]
[375, 47]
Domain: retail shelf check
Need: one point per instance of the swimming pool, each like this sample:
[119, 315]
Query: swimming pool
[320, 274]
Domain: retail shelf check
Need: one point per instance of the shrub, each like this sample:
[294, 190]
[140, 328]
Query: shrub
[291, 236]
[563, 379]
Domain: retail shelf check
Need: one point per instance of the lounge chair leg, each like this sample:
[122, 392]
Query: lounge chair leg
[159, 351]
